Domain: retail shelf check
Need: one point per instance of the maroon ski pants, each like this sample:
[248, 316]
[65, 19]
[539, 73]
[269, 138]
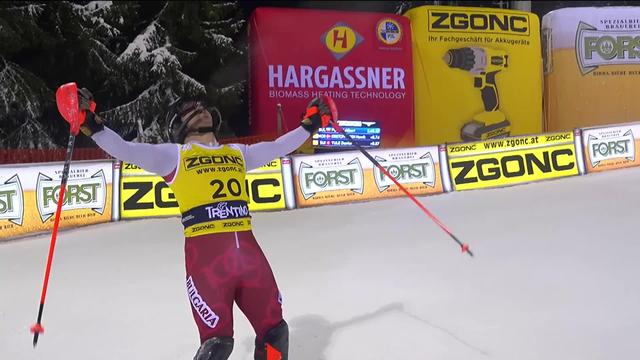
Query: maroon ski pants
[227, 267]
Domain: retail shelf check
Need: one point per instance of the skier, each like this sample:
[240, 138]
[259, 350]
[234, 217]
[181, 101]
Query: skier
[224, 262]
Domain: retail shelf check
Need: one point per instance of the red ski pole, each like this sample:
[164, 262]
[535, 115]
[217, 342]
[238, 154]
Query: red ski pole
[334, 122]
[67, 101]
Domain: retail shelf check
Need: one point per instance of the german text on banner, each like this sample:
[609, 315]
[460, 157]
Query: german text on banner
[477, 72]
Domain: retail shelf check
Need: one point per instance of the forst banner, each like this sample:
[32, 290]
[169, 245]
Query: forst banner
[512, 160]
[477, 73]
[591, 67]
[611, 147]
[29, 196]
[349, 176]
[144, 194]
[362, 60]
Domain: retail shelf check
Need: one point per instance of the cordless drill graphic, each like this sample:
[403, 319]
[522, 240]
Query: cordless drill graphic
[484, 64]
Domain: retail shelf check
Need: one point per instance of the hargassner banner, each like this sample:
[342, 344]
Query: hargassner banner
[362, 60]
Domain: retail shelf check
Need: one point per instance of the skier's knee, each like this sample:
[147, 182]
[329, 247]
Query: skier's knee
[216, 348]
[275, 344]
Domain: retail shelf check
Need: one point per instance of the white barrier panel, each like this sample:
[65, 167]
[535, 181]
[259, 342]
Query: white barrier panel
[29, 192]
[611, 147]
[349, 176]
[29, 195]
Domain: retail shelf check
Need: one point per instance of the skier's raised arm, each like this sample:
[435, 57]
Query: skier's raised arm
[160, 159]
[317, 115]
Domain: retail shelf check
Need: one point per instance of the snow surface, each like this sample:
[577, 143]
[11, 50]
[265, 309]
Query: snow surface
[555, 277]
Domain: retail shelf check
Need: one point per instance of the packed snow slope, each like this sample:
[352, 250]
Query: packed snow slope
[555, 276]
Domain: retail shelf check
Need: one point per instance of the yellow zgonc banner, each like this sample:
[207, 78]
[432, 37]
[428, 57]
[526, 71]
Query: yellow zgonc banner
[143, 194]
[350, 176]
[29, 196]
[266, 187]
[612, 147]
[477, 73]
[511, 161]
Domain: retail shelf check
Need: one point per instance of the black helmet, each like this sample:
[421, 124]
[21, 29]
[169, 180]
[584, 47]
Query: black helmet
[178, 125]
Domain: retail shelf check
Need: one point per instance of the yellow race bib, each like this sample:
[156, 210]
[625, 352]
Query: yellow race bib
[209, 185]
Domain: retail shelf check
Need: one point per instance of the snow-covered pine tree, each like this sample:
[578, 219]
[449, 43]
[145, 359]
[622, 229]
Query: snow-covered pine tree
[135, 56]
[42, 45]
[23, 98]
[178, 52]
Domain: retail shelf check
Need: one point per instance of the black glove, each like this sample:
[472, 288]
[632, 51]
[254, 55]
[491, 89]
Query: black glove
[318, 114]
[92, 123]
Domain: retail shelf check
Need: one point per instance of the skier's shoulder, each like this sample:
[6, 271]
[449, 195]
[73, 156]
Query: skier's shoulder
[218, 148]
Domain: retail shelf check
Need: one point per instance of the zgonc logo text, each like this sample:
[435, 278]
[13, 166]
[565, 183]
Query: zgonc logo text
[513, 166]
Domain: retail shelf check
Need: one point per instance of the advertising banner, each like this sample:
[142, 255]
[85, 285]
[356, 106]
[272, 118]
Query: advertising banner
[29, 196]
[477, 73]
[143, 194]
[266, 187]
[591, 67]
[612, 147]
[362, 60]
[511, 161]
[349, 176]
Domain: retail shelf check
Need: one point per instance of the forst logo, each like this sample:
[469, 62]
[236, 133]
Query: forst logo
[345, 177]
[608, 47]
[341, 39]
[478, 22]
[12, 201]
[8, 197]
[84, 193]
[595, 47]
[617, 147]
[75, 194]
[420, 170]
[330, 178]
[611, 148]
[405, 171]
